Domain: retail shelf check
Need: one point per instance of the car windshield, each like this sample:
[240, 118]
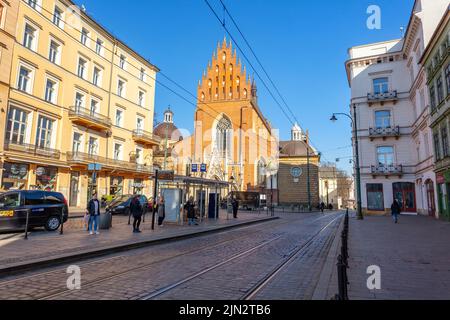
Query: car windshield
[11, 200]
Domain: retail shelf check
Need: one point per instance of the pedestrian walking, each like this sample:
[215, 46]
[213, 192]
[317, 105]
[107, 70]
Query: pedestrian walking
[93, 210]
[189, 209]
[322, 207]
[136, 210]
[161, 211]
[235, 208]
[395, 210]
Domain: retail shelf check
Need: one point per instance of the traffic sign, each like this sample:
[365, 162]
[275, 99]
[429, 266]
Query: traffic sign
[94, 167]
[203, 167]
[194, 167]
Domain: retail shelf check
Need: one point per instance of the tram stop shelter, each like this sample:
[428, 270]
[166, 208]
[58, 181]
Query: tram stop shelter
[208, 195]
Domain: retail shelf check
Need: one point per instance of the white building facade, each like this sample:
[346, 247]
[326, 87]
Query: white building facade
[388, 87]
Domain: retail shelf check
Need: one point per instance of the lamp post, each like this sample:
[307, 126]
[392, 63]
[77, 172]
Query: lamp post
[359, 214]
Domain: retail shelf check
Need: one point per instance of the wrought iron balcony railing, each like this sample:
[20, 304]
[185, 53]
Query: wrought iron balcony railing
[382, 96]
[384, 132]
[86, 158]
[146, 137]
[32, 149]
[86, 116]
[383, 170]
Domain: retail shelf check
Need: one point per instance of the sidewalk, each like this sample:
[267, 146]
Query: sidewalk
[45, 248]
[414, 257]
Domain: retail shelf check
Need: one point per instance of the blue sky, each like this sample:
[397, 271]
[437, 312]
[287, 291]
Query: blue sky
[302, 44]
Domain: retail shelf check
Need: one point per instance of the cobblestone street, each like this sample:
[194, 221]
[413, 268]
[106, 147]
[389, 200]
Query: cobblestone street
[223, 265]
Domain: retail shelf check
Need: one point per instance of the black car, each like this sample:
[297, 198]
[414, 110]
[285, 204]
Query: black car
[45, 210]
[121, 204]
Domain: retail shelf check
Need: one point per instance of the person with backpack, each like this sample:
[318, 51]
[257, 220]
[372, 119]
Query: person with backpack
[395, 210]
[189, 209]
[136, 211]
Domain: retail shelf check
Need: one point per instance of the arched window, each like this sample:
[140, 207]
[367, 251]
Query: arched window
[224, 56]
[245, 93]
[203, 96]
[231, 67]
[223, 136]
[261, 173]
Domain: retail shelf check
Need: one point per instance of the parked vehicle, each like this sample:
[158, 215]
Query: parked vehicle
[121, 204]
[45, 210]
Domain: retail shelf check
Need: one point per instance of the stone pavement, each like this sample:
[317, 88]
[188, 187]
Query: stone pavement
[414, 257]
[44, 246]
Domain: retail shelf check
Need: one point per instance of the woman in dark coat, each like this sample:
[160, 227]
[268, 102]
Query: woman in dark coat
[189, 208]
[161, 211]
[395, 209]
[136, 211]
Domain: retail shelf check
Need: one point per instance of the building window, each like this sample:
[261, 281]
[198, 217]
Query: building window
[32, 3]
[50, 91]
[93, 146]
[447, 78]
[223, 136]
[17, 126]
[119, 118]
[142, 74]
[76, 145]
[29, 38]
[381, 85]
[138, 155]
[383, 119]
[84, 36]
[82, 68]
[2, 9]
[122, 61]
[121, 88]
[432, 97]
[375, 198]
[444, 137]
[117, 151]
[97, 77]
[24, 83]
[58, 17]
[139, 124]
[385, 156]
[94, 107]
[141, 98]
[54, 52]
[99, 47]
[440, 90]
[79, 102]
[44, 132]
[437, 146]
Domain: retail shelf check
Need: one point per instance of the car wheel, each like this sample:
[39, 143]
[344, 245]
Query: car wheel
[52, 223]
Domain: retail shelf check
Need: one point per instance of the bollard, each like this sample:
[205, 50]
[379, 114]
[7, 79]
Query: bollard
[61, 230]
[26, 224]
[341, 278]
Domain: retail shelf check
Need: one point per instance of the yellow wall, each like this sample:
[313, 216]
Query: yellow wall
[68, 82]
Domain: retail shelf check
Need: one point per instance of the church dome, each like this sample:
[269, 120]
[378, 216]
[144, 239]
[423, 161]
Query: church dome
[167, 128]
[295, 149]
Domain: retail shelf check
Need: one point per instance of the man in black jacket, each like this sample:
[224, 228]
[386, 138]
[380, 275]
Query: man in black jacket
[136, 211]
[93, 209]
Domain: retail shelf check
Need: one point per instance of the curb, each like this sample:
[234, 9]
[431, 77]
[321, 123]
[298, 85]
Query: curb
[325, 283]
[58, 260]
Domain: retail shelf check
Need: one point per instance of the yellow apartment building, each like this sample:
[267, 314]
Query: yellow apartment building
[8, 22]
[80, 99]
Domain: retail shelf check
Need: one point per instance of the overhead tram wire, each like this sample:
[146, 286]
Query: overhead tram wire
[258, 60]
[139, 69]
[249, 62]
[251, 65]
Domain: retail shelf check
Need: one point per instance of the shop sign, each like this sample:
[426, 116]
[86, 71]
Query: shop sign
[166, 175]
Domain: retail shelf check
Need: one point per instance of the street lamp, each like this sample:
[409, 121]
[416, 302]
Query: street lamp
[359, 214]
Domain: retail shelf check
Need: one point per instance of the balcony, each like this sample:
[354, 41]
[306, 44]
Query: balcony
[382, 97]
[381, 170]
[89, 119]
[33, 150]
[80, 158]
[146, 138]
[384, 132]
